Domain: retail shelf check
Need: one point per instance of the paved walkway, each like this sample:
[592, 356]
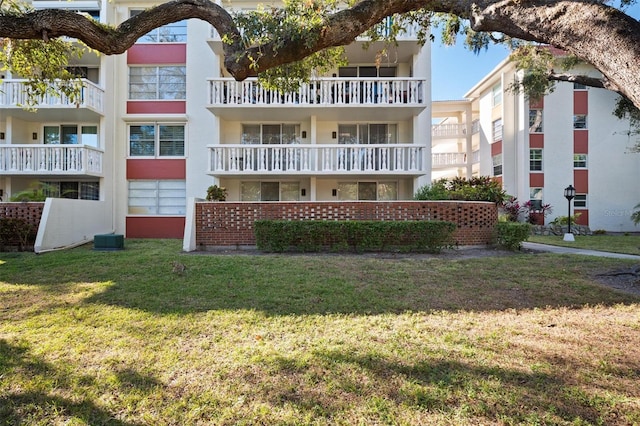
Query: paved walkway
[570, 250]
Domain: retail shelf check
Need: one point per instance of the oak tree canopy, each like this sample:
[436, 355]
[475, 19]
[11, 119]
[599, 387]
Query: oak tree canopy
[307, 34]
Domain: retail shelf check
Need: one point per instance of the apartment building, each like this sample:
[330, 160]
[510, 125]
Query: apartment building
[159, 124]
[156, 126]
[537, 148]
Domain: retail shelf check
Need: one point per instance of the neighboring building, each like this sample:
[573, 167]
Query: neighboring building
[537, 148]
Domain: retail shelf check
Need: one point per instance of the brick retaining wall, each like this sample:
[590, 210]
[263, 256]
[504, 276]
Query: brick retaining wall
[29, 211]
[231, 223]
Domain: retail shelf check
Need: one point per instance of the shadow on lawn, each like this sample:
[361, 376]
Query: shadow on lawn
[443, 386]
[36, 398]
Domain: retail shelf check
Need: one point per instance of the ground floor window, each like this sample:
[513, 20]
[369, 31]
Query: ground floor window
[72, 190]
[380, 191]
[157, 197]
[269, 191]
[580, 201]
[535, 197]
[497, 164]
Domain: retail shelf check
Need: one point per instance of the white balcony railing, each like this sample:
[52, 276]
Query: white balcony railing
[50, 159]
[13, 94]
[317, 159]
[453, 159]
[323, 91]
[448, 130]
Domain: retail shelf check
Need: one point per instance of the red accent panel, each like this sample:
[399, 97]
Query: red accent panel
[537, 103]
[536, 140]
[536, 180]
[156, 169]
[497, 179]
[581, 181]
[496, 148]
[580, 141]
[584, 217]
[146, 54]
[155, 227]
[581, 102]
[156, 107]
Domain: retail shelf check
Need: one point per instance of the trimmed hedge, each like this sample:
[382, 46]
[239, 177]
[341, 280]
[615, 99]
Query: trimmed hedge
[358, 236]
[510, 235]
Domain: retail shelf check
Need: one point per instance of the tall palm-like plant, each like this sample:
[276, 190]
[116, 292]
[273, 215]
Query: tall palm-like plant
[635, 217]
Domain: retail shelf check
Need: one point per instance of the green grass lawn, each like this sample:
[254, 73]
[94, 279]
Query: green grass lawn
[118, 338]
[629, 244]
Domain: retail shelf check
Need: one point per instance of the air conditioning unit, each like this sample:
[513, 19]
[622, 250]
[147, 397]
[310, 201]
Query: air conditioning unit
[108, 242]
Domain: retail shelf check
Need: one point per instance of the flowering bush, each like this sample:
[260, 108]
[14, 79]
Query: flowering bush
[514, 211]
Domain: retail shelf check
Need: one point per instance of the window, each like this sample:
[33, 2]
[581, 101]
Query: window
[176, 32]
[496, 94]
[366, 72]
[535, 121]
[578, 86]
[580, 161]
[535, 160]
[156, 140]
[368, 191]
[71, 134]
[497, 164]
[272, 134]
[367, 133]
[269, 191]
[580, 121]
[157, 197]
[580, 201]
[161, 82]
[535, 197]
[72, 190]
[497, 130]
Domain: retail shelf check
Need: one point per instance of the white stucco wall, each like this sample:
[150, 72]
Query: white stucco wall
[67, 223]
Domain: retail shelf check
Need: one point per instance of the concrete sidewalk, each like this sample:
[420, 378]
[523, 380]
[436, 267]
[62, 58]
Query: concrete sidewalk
[570, 250]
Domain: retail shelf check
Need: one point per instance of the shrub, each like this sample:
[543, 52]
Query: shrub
[359, 236]
[562, 220]
[17, 233]
[510, 235]
[216, 193]
[635, 216]
[482, 188]
[437, 190]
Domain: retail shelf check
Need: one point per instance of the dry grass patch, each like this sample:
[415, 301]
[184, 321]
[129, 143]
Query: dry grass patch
[326, 340]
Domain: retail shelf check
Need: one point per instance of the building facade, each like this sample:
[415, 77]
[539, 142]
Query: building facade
[156, 126]
[536, 148]
[171, 122]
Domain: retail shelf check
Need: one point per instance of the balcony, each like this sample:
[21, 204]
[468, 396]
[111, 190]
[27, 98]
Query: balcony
[448, 131]
[329, 98]
[48, 160]
[13, 95]
[445, 160]
[312, 160]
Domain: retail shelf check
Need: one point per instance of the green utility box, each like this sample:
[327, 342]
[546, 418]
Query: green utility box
[108, 242]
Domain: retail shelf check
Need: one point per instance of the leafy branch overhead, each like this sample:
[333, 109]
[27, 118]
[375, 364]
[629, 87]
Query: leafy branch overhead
[303, 34]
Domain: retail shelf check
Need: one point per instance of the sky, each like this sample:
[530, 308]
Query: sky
[455, 70]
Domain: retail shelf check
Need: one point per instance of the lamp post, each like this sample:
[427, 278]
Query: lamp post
[569, 194]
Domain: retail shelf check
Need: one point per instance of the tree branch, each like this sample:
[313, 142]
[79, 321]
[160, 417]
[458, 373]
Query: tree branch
[583, 79]
[590, 30]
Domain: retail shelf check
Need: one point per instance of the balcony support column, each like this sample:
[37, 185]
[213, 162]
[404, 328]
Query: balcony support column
[469, 139]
